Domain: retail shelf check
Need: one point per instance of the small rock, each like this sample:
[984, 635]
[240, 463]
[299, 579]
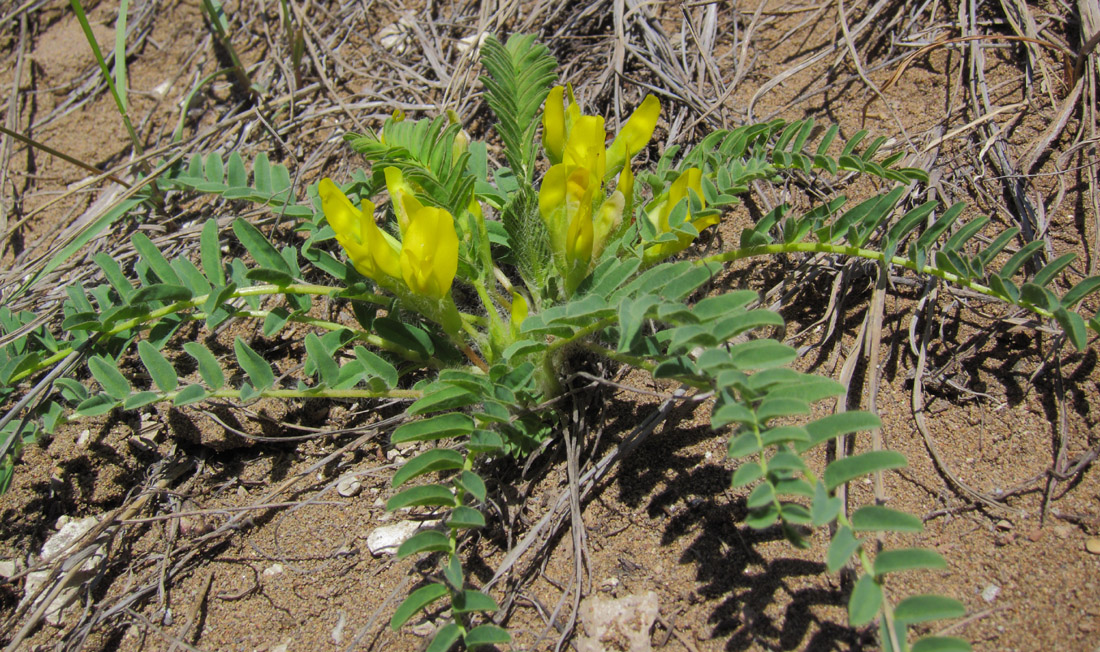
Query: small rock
[1004, 524]
[83, 437]
[1035, 536]
[473, 42]
[1063, 531]
[273, 570]
[425, 628]
[338, 630]
[1093, 545]
[282, 647]
[241, 491]
[990, 593]
[7, 568]
[609, 584]
[623, 624]
[349, 486]
[387, 539]
[69, 530]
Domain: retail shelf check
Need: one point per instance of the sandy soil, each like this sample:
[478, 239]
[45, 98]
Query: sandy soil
[219, 561]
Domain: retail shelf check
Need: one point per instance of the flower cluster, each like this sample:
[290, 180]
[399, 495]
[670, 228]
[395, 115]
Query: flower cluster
[577, 214]
[424, 261]
[661, 209]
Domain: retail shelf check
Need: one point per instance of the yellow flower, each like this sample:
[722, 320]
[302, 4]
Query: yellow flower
[429, 253]
[559, 125]
[634, 135]
[659, 210]
[373, 252]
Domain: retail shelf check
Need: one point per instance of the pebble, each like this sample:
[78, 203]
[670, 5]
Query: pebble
[1035, 535]
[1063, 531]
[349, 486]
[990, 593]
[1004, 524]
[1093, 545]
[274, 569]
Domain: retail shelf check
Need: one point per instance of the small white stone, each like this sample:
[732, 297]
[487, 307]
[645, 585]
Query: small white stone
[349, 486]
[83, 437]
[273, 570]
[7, 568]
[990, 593]
[472, 42]
[387, 539]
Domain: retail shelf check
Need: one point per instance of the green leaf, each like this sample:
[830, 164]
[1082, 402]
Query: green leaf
[865, 601]
[744, 445]
[465, 517]
[211, 253]
[406, 335]
[1080, 291]
[471, 600]
[156, 261]
[416, 601]
[322, 360]
[424, 541]
[487, 635]
[452, 570]
[161, 371]
[209, 368]
[762, 495]
[761, 354]
[141, 399]
[107, 374]
[746, 474]
[825, 507]
[377, 366]
[262, 251]
[445, 425]
[437, 459]
[841, 549]
[1074, 326]
[485, 441]
[877, 518]
[941, 644]
[903, 559]
[448, 397]
[837, 425]
[1020, 257]
[472, 484]
[191, 394]
[161, 292]
[1047, 273]
[96, 405]
[922, 608]
[431, 494]
[258, 370]
[759, 519]
[849, 468]
[445, 638]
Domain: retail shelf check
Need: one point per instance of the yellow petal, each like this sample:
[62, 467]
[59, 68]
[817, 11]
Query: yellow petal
[607, 221]
[552, 204]
[579, 239]
[585, 145]
[634, 134]
[572, 110]
[341, 214]
[403, 197]
[553, 125]
[429, 253]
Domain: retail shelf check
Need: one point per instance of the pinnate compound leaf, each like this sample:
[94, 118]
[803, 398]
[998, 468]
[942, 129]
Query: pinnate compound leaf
[431, 494]
[416, 601]
[107, 374]
[941, 644]
[922, 608]
[841, 549]
[487, 635]
[876, 518]
[160, 370]
[849, 468]
[452, 424]
[424, 541]
[903, 559]
[445, 638]
[437, 459]
[865, 601]
[258, 370]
